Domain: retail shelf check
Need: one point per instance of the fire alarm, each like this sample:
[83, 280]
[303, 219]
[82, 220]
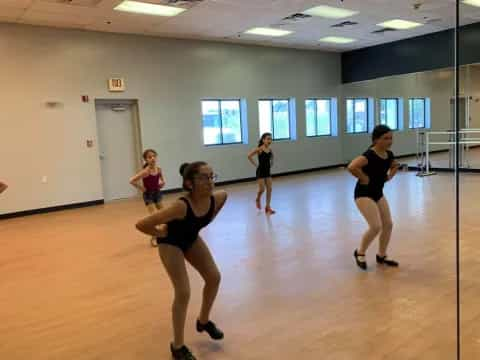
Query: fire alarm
[85, 98]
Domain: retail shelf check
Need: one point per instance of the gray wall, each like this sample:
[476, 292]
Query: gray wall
[436, 85]
[168, 77]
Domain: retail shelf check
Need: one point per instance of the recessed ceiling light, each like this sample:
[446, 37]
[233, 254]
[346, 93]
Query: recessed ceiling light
[330, 12]
[398, 24]
[268, 32]
[472, 2]
[337, 40]
[148, 9]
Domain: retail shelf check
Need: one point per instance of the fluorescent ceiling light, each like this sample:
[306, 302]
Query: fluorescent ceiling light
[337, 40]
[472, 2]
[330, 12]
[398, 24]
[148, 9]
[268, 32]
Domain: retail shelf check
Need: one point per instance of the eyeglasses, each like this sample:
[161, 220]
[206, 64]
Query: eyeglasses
[205, 178]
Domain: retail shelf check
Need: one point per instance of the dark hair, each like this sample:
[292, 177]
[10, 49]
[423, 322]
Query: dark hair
[379, 131]
[264, 135]
[188, 171]
[145, 154]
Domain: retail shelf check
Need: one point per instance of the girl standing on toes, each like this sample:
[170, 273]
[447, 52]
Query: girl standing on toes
[264, 178]
[177, 227]
[152, 182]
[372, 169]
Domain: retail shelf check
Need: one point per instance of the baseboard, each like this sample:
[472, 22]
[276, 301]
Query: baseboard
[287, 173]
[169, 191]
[221, 183]
[51, 209]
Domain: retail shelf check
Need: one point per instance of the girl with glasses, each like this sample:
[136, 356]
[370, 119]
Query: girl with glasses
[177, 230]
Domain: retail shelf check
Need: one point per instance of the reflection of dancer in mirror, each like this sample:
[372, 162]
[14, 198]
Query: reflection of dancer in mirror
[264, 178]
[3, 187]
[152, 182]
[177, 227]
[372, 169]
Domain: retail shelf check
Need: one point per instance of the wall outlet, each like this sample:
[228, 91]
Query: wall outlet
[44, 179]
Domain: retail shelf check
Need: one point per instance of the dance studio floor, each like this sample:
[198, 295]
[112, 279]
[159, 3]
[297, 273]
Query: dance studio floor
[84, 284]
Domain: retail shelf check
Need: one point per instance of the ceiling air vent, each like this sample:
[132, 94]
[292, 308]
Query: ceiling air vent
[383, 31]
[345, 23]
[182, 3]
[433, 21]
[84, 3]
[293, 19]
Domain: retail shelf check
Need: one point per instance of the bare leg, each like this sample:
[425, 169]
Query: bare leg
[369, 209]
[387, 226]
[174, 262]
[151, 209]
[268, 183]
[202, 260]
[261, 190]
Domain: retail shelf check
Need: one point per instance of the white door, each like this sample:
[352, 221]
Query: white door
[117, 147]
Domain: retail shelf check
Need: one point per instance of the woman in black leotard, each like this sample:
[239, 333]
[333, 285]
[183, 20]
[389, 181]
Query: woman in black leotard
[176, 228]
[375, 167]
[264, 178]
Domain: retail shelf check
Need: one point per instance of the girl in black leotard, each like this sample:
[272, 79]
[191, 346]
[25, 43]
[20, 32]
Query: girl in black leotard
[264, 178]
[176, 228]
[375, 167]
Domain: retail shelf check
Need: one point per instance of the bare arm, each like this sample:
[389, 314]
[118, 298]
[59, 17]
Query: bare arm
[3, 187]
[355, 168]
[393, 169]
[251, 154]
[220, 199]
[134, 180]
[148, 225]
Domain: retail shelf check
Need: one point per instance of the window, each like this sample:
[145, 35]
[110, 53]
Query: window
[222, 122]
[418, 113]
[319, 117]
[357, 116]
[389, 113]
[274, 117]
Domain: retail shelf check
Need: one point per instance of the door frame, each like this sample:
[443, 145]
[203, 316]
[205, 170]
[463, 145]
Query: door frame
[137, 134]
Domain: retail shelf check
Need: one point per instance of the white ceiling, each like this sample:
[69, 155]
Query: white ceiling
[226, 20]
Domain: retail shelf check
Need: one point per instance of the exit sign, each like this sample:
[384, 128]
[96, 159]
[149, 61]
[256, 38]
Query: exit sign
[116, 84]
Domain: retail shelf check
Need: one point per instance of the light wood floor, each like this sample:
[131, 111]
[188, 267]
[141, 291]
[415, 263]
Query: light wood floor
[83, 284]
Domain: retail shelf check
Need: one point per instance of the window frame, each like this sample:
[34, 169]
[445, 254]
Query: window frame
[330, 106]
[366, 99]
[397, 105]
[219, 100]
[272, 122]
[410, 113]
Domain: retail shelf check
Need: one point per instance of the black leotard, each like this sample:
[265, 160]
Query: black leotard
[264, 164]
[377, 171]
[184, 232]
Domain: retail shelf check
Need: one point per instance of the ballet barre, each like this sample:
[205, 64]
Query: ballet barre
[465, 140]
